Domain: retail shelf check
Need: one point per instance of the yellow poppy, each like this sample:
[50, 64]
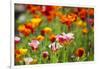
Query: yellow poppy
[21, 28]
[36, 22]
[80, 23]
[23, 51]
[40, 38]
[85, 30]
[47, 30]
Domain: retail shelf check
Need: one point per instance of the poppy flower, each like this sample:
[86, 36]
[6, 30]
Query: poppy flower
[72, 17]
[36, 22]
[80, 52]
[18, 57]
[52, 38]
[65, 39]
[27, 31]
[34, 44]
[63, 18]
[68, 19]
[46, 30]
[85, 30]
[28, 60]
[40, 38]
[90, 21]
[81, 23]
[83, 13]
[46, 10]
[45, 54]
[32, 8]
[23, 51]
[17, 53]
[20, 52]
[28, 25]
[54, 46]
[90, 12]
[22, 29]
[50, 12]
[17, 39]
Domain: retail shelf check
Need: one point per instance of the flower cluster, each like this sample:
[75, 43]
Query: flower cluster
[65, 39]
[53, 34]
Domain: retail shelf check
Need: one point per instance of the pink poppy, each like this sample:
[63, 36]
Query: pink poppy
[55, 46]
[17, 39]
[34, 44]
[64, 38]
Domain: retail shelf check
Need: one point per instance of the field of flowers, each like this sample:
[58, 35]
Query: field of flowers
[53, 34]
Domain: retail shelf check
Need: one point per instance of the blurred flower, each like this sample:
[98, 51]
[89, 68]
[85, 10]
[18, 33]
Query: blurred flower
[23, 51]
[20, 8]
[50, 12]
[40, 38]
[63, 18]
[45, 54]
[52, 37]
[17, 53]
[29, 25]
[90, 12]
[82, 13]
[68, 19]
[18, 59]
[18, 56]
[25, 29]
[54, 46]
[22, 18]
[80, 52]
[20, 52]
[81, 23]
[76, 10]
[32, 8]
[34, 44]
[46, 30]
[28, 60]
[17, 39]
[72, 17]
[85, 30]
[59, 14]
[65, 39]
[35, 61]
[68, 35]
[21, 28]
[36, 22]
[90, 21]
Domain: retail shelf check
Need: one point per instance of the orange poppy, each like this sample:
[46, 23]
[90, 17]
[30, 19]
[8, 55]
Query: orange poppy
[83, 13]
[85, 30]
[91, 12]
[40, 38]
[52, 37]
[80, 52]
